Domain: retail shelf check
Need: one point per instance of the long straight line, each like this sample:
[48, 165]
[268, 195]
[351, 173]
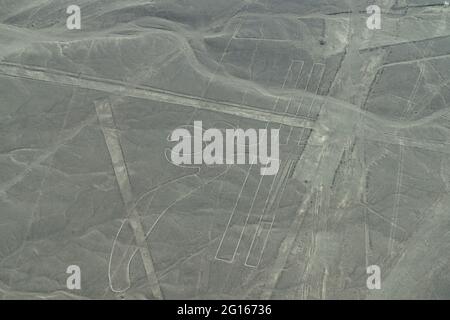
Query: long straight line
[105, 117]
[150, 93]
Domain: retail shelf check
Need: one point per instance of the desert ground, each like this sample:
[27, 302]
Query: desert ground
[364, 129]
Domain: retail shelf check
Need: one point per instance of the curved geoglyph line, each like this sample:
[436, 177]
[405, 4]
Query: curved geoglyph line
[131, 237]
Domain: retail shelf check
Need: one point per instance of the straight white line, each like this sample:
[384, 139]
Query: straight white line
[302, 98]
[106, 120]
[287, 165]
[400, 169]
[313, 99]
[229, 221]
[232, 214]
[149, 93]
[285, 170]
[260, 220]
[284, 182]
[220, 63]
[413, 93]
[397, 201]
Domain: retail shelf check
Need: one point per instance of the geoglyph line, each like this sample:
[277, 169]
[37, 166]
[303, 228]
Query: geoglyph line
[305, 89]
[150, 93]
[105, 117]
[316, 90]
[400, 168]
[218, 255]
[262, 233]
[226, 232]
